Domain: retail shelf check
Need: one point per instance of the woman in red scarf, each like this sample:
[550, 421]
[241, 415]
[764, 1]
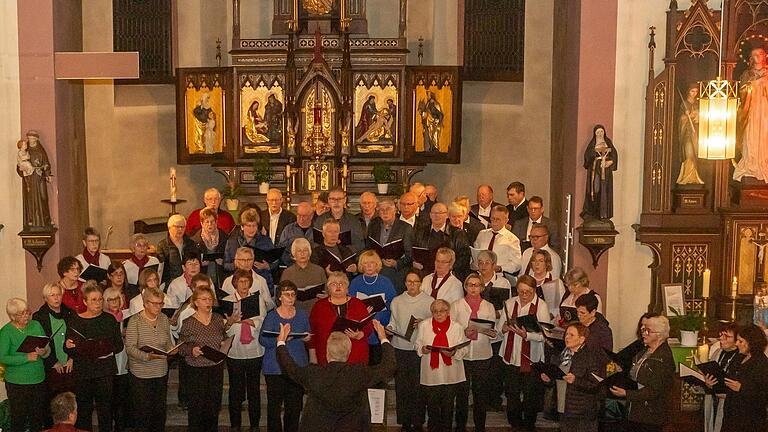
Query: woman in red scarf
[442, 371]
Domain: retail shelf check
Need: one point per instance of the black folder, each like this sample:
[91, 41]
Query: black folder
[392, 250]
[310, 292]
[211, 256]
[30, 343]
[624, 357]
[408, 333]
[425, 257]
[345, 238]
[548, 369]
[619, 379]
[529, 322]
[153, 267]
[249, 306]
[155, 350]
[568, 314]
[497, 296]
[342, 323]
[268, 333]
[220, 354]
[453, 348]
[336, 263]
[268, 256]
[482, 323]
[376, 302]
[93, 272]
[90, 347]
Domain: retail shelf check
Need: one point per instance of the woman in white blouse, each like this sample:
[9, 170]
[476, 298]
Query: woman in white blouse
[442, 371]
[519, 350]
[577, 282]
[245, 356]
[478, 319]
[551, 290]
[409, 308]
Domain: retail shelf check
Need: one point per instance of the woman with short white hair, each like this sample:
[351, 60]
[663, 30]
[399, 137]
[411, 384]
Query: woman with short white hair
[304, 273]
[173, 247]
[53, 316]
[24, 371]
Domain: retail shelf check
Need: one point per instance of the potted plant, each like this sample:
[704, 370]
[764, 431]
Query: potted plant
[688, 325]
[231, 193]
[262, 173]
[382, 175]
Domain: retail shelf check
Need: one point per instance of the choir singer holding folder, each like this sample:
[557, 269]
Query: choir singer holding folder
[24, 371]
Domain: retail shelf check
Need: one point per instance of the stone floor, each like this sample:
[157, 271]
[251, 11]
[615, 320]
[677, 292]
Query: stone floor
[177, 418]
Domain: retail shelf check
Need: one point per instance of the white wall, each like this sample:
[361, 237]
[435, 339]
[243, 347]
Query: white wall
[12, 265]
[628, 273]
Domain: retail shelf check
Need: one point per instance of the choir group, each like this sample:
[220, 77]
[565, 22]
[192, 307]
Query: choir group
[474, 300]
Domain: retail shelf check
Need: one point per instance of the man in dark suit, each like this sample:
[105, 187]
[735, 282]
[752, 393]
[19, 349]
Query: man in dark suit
[482, 210]
[522, 227]
[387, 228]
[337, 393]
[425, 205]
[337, 199]
[274, 218]
[518, 205]
[441, 234]
[458, 216]
[368, 203]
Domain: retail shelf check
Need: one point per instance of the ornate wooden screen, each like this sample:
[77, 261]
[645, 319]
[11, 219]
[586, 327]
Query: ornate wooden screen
[147, 27]
[494, 39]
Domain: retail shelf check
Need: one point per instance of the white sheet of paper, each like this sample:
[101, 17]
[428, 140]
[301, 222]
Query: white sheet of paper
[377, 401]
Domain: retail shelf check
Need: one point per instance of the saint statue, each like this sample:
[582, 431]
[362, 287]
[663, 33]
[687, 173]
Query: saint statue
[35, 171]
[752, 119]
[255, 127]
[205, 126]
[600, 161]
[688, 133]
[432, 122]
[312, 178]
[318, 7]
[324, 185]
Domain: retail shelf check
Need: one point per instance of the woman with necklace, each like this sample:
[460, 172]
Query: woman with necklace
[148, 371]
[244, 359]
[727, 355]
[746, 398]
[203, 328]
[371, 283]
[281, 390]
[94, 368]
[324, 314]
[653, 369]
[24, 372]
[69, 269]
[211, 239]
[53, 317]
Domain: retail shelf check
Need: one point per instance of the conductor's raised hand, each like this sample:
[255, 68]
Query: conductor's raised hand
[285, 330]
[380, 331]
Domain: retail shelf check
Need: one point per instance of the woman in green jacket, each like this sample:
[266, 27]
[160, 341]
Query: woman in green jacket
[24, 372]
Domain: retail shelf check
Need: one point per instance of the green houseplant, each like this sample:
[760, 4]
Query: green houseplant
[262, 173]
[382, 175]
[232, 192]
[688, 325]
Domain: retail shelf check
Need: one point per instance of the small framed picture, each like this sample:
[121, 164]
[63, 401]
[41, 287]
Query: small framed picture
[673, 299]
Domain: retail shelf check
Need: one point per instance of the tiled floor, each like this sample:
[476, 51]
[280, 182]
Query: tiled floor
[177, 419]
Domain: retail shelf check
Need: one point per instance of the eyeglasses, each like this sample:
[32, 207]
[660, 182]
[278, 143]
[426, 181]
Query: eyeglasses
[335, 284]
[335, 199]
[646, 331]
[113, 299]
[413, 281]
[474, 285]
[536, 236]
[154, 303]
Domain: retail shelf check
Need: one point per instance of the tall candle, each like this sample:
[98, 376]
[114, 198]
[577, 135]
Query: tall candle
[342, 13]
[734, 287]
[705, 285]
[173, 184]
[703, 353]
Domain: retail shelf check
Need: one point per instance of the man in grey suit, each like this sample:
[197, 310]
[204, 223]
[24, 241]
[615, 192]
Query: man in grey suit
[522, 227]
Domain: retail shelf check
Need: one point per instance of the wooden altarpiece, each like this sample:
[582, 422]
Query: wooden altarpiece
[321, 101]
[715, 223]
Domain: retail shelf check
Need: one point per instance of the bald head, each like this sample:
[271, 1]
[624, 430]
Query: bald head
[438, 214]
[409, 203]
[484, 195]
[304, 213]
[419, 190]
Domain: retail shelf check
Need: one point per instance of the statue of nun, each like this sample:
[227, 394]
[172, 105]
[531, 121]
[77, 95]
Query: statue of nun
[600, 161]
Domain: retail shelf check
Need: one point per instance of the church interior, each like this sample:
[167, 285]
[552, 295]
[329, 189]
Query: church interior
[140, 107]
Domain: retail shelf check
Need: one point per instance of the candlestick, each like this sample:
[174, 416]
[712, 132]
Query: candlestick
[735, 287]
[705, 285]
[173, 184]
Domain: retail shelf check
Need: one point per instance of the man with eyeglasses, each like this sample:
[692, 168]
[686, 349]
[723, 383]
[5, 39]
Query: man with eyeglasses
[171, 249]
[540, 240]
[337, 199]
[244, 261]
[522, 227]
[301, 228]
[408, 206]
[441, 234]
[500, 240]
[387, 229]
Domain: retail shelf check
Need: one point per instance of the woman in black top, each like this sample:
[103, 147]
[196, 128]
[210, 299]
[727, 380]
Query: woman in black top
[211, 239]
[654, 370]
[94, 366]
[727, 355]
[746, 398]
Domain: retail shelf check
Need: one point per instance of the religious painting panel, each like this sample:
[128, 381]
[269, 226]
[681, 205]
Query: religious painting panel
[318, 175]
[204, 101]
[260, 121]
[318, 120]
[750, 243]
[435, 114]
[689, 260]
[376, 116]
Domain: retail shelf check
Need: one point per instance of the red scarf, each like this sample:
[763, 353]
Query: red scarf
[525, 352]
[91, 259]
[441, 340]
[140, 263]
[474, 308]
